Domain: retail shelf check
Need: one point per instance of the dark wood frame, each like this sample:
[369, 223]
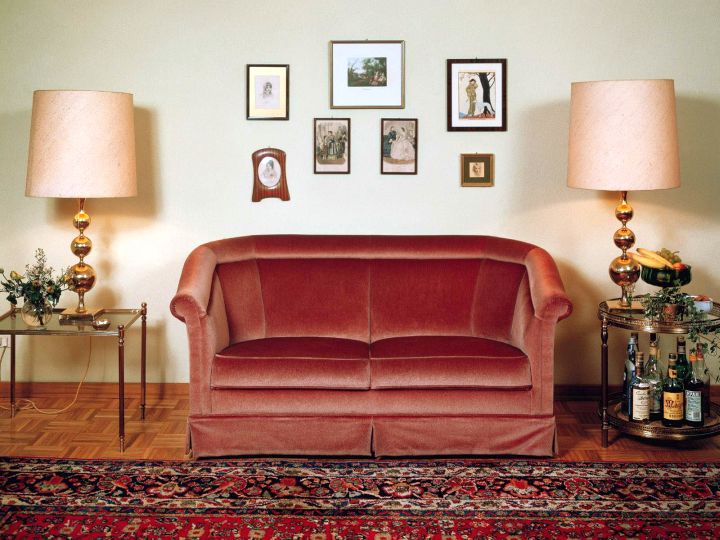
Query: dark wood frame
[417, 145]
[369, 42]
[315, 163]
[467, 159]
[260, 190]
[248, 89]
[503, 92]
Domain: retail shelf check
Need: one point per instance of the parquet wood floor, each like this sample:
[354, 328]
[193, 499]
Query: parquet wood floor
[89, 429]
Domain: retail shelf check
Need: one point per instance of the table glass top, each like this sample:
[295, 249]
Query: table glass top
[635, 319]
[12, 323]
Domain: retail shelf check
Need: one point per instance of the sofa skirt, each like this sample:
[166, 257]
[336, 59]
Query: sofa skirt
[212, 436]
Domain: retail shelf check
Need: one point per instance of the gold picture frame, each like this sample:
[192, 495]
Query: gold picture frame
[477, 170]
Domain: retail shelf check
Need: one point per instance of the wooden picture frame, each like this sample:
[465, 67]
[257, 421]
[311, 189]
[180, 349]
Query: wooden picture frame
[267, 92]
[477, 170]
[331, 146]
[477, 95]
[367, 74]
[269, 178]
[398, 145]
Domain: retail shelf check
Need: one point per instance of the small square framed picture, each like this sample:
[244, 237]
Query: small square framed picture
[331, 151]
[398, 145]
[367, 74]
[268, 92]
[477, 170]
[477, 95]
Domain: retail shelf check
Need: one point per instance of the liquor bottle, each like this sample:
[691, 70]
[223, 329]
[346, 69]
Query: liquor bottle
[673, 394]
[640, 392]
[683, 366]
[693, 395]
[629, 371]
[654, 378]
[705, 376]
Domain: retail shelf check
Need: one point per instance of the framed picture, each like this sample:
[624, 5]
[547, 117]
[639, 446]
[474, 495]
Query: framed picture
[367, 74]
[398, 145]
[269, 175]
[477, 170]
[477, 95]
[268, 92]
[331, 151]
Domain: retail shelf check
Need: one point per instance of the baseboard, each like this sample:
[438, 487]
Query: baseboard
[584, 392]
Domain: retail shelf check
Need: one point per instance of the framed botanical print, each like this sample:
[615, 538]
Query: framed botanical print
[477, 95]
[268, 92]
[331, 148]
[398, 145]
[477, 170]
[367, 74]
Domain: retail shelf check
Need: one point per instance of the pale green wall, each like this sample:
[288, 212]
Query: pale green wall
[185, 64]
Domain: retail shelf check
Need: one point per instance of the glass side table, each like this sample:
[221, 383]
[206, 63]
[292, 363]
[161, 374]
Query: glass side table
[120, 320]
[610, 405]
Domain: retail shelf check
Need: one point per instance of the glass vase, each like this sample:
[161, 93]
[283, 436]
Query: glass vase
[37, 317]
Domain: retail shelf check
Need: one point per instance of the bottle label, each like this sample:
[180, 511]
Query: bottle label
[673, 406]
[640, 404]
[672, 373]
[693, 405]
[656, 401]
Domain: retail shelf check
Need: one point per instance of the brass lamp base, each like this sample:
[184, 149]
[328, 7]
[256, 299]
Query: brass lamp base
[71, 315]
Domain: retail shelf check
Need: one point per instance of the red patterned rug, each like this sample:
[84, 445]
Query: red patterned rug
[357, 499]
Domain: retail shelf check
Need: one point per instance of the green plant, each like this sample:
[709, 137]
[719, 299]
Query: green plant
[37, 286]
[700, 331]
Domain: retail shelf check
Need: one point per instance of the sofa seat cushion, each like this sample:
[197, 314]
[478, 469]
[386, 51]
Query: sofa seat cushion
[447, 362]
[293, 362]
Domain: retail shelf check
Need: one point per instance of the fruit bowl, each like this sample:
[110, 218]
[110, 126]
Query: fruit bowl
[666, 277]
[703, 304]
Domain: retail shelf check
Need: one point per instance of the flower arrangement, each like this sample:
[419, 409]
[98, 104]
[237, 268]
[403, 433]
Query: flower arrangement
[37, 287]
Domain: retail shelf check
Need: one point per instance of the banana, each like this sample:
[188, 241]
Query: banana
[653, 255]
[645, 261]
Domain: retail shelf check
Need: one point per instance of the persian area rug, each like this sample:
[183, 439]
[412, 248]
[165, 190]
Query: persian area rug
[357, 499]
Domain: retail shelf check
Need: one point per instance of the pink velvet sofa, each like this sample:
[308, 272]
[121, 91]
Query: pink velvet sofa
[370, 345]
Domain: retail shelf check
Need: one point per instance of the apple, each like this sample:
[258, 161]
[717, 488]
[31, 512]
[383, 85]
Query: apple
[679, 266]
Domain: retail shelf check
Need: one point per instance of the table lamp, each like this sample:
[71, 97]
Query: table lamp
[82, 145]
[623, 137]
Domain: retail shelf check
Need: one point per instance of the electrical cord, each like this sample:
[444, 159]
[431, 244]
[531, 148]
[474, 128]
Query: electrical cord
[29, 404]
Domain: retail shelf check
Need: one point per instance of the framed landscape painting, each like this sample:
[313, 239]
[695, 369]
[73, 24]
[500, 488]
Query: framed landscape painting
[367, 74]
[398, 145]
[477, 95]
[331, 150]
[477, 170]
[268, 92]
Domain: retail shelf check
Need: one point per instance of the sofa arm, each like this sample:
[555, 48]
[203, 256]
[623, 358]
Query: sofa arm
[200, 305]
[550, 302]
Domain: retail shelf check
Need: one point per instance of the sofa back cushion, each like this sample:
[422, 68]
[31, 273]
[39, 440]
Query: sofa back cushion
[420, 297]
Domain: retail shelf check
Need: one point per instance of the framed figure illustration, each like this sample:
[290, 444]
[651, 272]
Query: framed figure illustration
[477, 170]
[477, 95]
[367, 74]
[268, 92]
[269, 175]
[398, 145]
[331, 148]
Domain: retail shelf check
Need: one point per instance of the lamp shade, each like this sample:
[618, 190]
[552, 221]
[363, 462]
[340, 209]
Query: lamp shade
[623, 136]
[82, 145]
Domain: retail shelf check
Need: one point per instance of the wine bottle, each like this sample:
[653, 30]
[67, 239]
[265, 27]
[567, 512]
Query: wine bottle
[683, 366]
[654, 378]
[640, 392]
[705, 374]
[629, 370]
[673, 394]
[693, 395]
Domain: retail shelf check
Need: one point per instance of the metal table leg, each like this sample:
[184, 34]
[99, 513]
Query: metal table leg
[143, 347]
[12, 376]
[121, 384]
[604, 380]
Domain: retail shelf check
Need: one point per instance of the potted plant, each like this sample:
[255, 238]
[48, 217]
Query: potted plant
[37, 288]
[668, 304]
